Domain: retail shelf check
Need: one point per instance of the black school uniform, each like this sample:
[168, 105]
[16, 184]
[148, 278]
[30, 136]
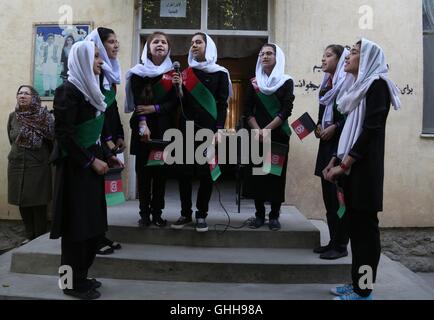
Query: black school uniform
[269, 188]
[151, 178]
[363, 188]
[79, 205]
[218, 85]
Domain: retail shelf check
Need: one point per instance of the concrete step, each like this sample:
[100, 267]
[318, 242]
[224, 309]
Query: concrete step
[192, 264]
[224, 231]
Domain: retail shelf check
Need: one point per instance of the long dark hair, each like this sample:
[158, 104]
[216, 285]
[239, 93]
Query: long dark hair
[104, 33]
[66, 41]
[337, 49]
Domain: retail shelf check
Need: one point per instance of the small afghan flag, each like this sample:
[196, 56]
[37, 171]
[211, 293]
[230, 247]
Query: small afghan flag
[213, 164]
[275, 160]
[304, 126]
[201, 93]
[162, 87]
[113, 187]
[156, 156]
[341, 200]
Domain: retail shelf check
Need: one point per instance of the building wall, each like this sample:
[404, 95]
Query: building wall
[16, 26]
[304, 28]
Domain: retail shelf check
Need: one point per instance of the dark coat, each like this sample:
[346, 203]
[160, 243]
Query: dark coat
[364, 186]
[29, 171]
[218, 84]
[269, 187]
[157, 123]
[327, 149]
[79, 206]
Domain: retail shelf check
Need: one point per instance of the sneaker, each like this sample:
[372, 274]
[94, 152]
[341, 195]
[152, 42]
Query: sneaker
[333, 255]
[274, 225]
[181, 223]
[201, 225]
[257, 223]
[105, 251]
[342, 290]
[322, 249]
[91, 294]
[159, 222]
[353, 296]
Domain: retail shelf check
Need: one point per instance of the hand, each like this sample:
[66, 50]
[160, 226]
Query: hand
[334, 174]
[177, 80]
[145, 110]
[329, 167]
[146, 136]
[328, 133]
[120, 145]
[100, 167]
[114, 162]
[318, 131]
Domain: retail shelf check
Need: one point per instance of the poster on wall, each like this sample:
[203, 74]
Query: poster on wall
[52, 44]
[173, 9]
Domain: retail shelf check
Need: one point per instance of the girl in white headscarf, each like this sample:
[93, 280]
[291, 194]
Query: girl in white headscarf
[330, 124]
[152, 97]
[361, 151]
[113, 131]
[79, 206]
[268, 105]
[206, 91]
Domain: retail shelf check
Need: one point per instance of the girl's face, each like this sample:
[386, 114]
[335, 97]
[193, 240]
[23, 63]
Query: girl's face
[97, 63]
[268, 57]
[69, 42]
[329, 61]
[198, 48]
[24, 97]
[352, 61]
[111, 45]
[159, 47]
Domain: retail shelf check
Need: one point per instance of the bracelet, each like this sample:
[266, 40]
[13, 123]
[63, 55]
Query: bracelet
[344, 166]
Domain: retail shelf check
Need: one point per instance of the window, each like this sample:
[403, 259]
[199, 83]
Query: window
[216, 17]
[428, 51]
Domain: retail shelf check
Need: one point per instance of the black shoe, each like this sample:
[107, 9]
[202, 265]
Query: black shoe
[94, 284]
[145, 221]
[201, 225]
[181, 223]
[112, 244]
[91, 294]
[159, 222]
[322, 249]
[257, 223]
[105, 250]
[274, 225]
[333, 255]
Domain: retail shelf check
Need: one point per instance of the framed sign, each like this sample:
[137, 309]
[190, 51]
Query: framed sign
[51, 47]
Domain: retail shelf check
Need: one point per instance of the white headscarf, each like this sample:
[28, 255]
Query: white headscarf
[146, 69]
[270, 84]
[111, 67]
[341, 82]
[352, 102]
[210, 65]
[80, 65]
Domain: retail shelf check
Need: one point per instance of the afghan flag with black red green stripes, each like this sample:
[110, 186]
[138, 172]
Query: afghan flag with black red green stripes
[113, 187]
[275, 160]
[163, 87]
[201, 93]
[272, 105]
[341, 200]
[156, 158]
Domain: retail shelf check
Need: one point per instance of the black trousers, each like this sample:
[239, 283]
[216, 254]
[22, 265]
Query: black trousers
[338, 228]
[80, 257]
[152, 190]
[260, 209]
[203, 196]
[365, 246]
[35, 221]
